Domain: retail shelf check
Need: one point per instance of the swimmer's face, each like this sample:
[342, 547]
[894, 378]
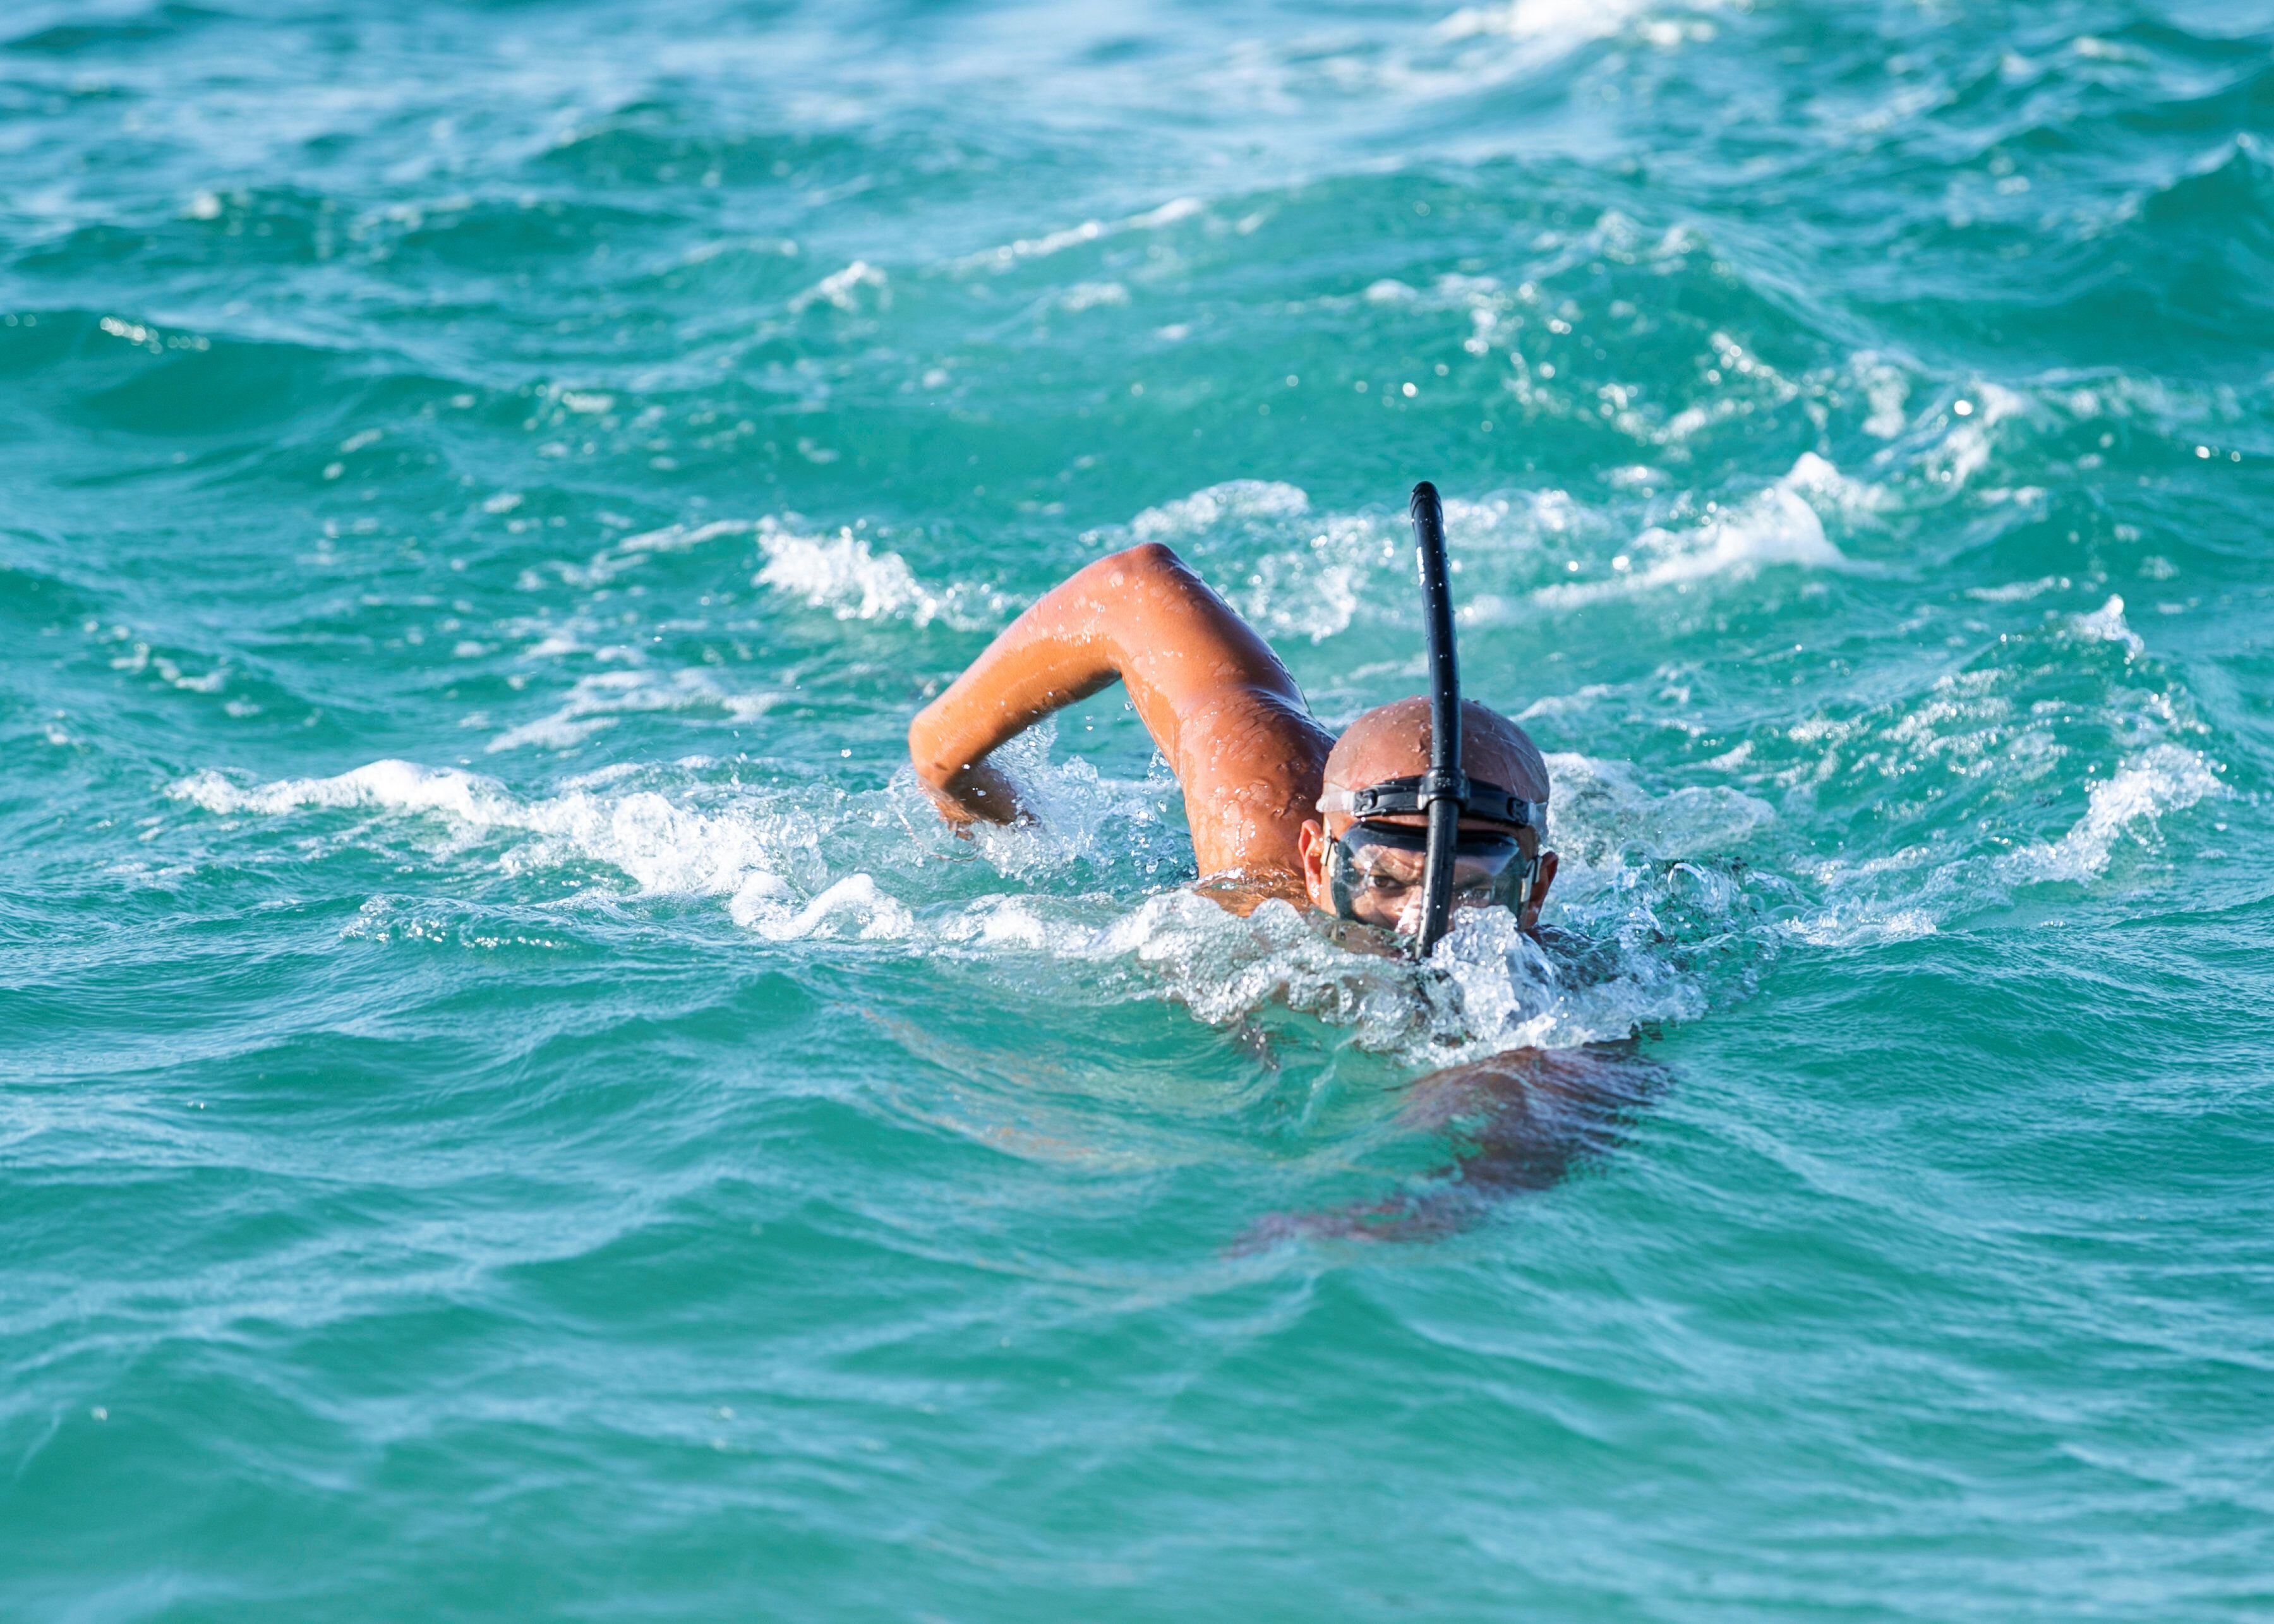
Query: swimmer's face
[1384, 883]
[1390, 742]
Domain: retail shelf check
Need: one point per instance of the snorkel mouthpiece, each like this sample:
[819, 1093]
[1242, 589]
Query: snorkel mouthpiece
[1445, 790]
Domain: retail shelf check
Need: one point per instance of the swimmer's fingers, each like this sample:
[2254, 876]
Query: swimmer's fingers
[979, 794]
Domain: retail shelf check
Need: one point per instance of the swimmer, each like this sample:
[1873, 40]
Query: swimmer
[1278, 807]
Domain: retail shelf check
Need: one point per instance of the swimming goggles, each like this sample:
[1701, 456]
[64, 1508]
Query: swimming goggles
[1377, 873]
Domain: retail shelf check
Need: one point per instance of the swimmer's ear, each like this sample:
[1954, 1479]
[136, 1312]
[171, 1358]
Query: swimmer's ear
[1311, 843]
[1540, 889]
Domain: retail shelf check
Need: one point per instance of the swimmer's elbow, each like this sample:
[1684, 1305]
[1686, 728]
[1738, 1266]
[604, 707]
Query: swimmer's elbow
[1153, 555]
[1144, 564]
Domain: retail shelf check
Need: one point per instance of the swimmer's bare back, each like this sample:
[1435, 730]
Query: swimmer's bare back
[1219, 704]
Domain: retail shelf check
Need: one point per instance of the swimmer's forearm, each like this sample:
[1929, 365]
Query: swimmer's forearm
[1033, 669]
[1140, 616]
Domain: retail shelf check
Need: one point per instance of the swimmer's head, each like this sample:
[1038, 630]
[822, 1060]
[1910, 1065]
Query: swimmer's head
[1392, 741]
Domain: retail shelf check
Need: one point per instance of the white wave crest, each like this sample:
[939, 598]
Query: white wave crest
[1776, 526]
[1297, 573]
[1088, 231]
[846, 290]
[664, 849]
[765, 904]
[2106, 624]
[1531, 19]
[1861, 923]
[1219, 504]
[1965, 450]
[844, 575]
[2166, 777]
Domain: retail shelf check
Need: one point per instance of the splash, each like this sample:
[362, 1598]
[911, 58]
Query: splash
[1776, 526]
[814, 867]
[2164, 779]
[664, 848]
[842, 575]
[2106, 624]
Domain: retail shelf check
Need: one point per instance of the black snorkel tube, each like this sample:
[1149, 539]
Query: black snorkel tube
[1445, 789]
[1498, 872]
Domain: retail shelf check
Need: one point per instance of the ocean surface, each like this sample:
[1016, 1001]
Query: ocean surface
[511, 1106]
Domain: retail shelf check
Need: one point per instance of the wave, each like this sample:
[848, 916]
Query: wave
[159, 22]
[818, 866]
[2163, 778]
[1298, 573]
[1677, 895]
[1776, 526]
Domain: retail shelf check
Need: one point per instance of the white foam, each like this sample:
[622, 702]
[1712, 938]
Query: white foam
[1088, 231]
[1775, 527]
[1294, 573]
[763, 904]
[843, 290]
[1965, 450]
[810, 866]
[840, 573]
[769, 857]
[1598, 811]
[2017, 591]
[1493, 987]
[1886, 387]
[1831, 492]
[846, 575]
[663, 848]
[1556, 22]
[2106, 624]
[2166, 777]
[1091, 295]
[1860, 923]
[1077, 813]
[1218, 504]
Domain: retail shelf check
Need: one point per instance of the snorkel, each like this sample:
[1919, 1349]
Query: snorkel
[1370, 868]
[1444, 791]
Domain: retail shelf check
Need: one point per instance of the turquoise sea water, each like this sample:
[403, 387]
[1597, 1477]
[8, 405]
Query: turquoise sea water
[513, 1109]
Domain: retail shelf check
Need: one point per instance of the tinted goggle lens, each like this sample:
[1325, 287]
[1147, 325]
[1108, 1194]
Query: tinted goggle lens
[1378, 872]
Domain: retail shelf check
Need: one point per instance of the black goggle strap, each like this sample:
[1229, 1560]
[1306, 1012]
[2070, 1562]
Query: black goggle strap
[1478, 800]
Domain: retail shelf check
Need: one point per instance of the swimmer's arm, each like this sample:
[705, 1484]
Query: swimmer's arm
[1217, 700]
[1519, 1119]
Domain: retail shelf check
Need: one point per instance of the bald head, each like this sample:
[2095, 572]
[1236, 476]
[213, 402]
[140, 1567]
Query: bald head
[1392, 741]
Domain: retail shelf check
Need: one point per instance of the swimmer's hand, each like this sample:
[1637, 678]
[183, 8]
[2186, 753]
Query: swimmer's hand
[979, 794]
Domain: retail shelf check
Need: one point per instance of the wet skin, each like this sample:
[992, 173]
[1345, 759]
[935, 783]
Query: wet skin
[1223, 710]
[1235, 728]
